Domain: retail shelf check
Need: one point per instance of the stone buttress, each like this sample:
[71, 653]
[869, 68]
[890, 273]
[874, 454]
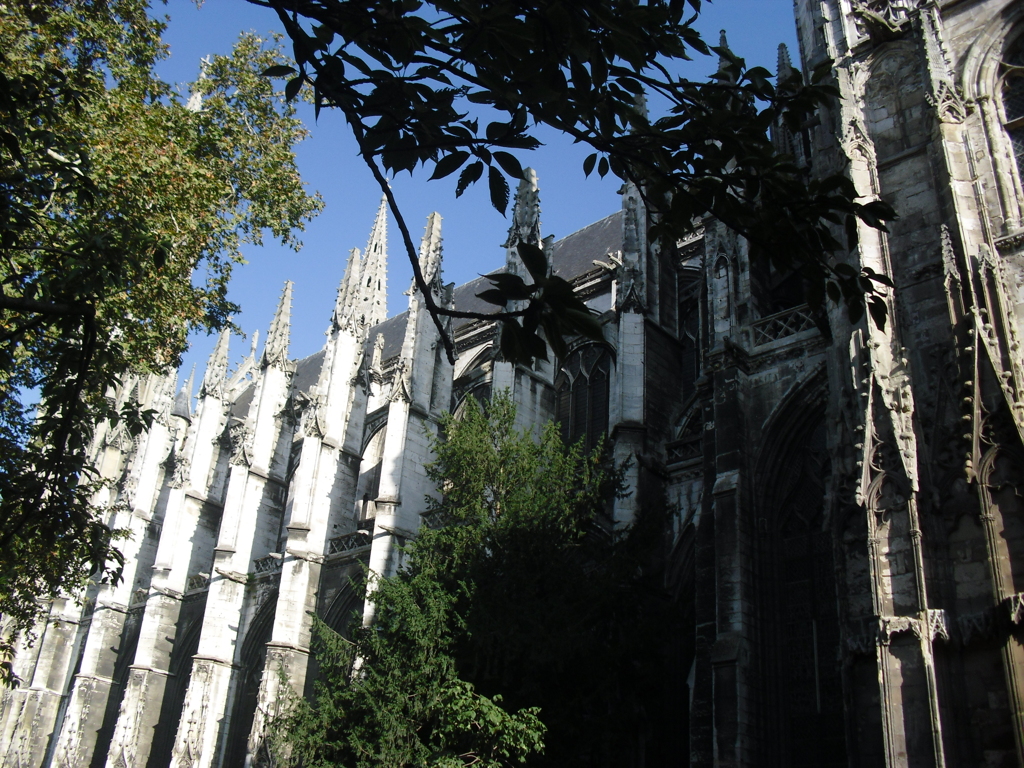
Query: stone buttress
[418, 395]
[325, 454]
[180, 557]
[249, 530]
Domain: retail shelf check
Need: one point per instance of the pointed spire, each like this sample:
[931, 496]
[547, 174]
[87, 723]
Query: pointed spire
[372, 296]
[525, 211]
[216, 367]
[430, 249]
[347, 291]
[785, 65]
[182, 407]
[723, 62]
[641, 105]
[275, 351]
[195, 99]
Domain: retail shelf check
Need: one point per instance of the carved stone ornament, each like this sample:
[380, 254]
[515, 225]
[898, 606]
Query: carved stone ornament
[1015, 606]
[118, 437]
[267, 708]
[631, 227]
[630, 293]
[67, 752]
[881, 19]
[130, 723]
[310, 409]
[240, 438]
[894, 625]
[401, 383]
[975, 626]
[862, 638]
[938, 624]
[178, 470]
[126, 498]
[949, 103]
[188, 746]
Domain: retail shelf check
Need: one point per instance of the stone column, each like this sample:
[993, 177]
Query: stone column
[31, 711]
[412, 418]
[322, 491]
[205, 718]
[87, 709]
[140, 708]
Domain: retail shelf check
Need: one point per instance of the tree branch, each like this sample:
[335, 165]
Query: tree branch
[20, 304]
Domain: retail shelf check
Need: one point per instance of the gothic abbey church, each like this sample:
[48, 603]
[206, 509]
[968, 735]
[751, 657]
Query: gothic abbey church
[846, 552]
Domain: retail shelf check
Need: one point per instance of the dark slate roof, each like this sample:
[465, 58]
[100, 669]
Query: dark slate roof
[307, 371]
[240, 408]
[393, 330]
[574, 254]
[466, 300]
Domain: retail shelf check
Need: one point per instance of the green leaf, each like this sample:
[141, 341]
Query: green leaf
[470, 174]
[511, 286]
[589, 163]
[585, 323]
[292, 87]
[851, 232]
[833, 291]
[498, 187]
[448, 164]
[278, 70]
[509, 164]
[534, 260]
[879, 311]
[493, 296]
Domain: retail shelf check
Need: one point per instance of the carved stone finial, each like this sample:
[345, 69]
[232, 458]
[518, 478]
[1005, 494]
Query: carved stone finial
[216, 367]
[785, 65]
[948, 255]
[430, 249]
[195, 99]
[372, 294]
[275, 351]
[348, 293]
[525, 215]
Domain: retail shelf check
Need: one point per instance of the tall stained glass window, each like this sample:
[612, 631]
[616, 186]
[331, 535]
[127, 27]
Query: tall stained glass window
[581, 394]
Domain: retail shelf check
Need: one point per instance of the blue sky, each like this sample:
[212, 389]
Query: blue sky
[471, 229]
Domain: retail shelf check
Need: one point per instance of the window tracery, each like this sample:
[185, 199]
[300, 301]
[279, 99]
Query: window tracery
[1011, 88]
[581, 394]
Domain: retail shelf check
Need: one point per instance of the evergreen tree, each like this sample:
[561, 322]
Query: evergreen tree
[517, 631]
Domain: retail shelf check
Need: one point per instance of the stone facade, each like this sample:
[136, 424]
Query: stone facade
[846, 552]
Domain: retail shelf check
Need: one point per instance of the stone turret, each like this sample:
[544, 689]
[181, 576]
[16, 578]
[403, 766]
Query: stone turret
[182, 407]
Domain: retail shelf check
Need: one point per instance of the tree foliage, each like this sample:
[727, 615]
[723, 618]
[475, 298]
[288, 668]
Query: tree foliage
[460, 85]
[122, 209]
[516, 632]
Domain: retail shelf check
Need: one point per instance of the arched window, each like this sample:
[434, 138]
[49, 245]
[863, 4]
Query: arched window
[581, 394]
[1012, 90]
